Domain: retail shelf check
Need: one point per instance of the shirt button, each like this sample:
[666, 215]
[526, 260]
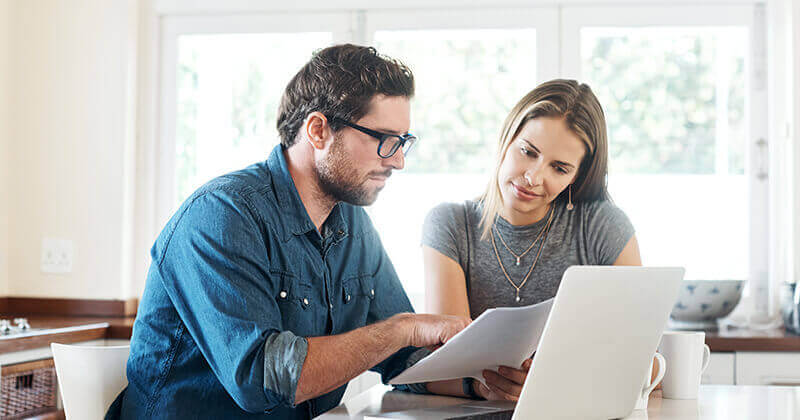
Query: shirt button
[347, 299]
[331, 305]
[305, 301]
[283, 294]
[372, 292]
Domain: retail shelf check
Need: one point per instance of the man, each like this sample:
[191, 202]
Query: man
[269, 288]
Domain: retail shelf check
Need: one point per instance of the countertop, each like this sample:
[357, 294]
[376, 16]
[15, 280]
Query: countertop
[740, 339]
[729, 402]
[64, 329]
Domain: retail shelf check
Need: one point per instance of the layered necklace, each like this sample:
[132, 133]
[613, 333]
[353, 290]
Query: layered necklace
[542, 235]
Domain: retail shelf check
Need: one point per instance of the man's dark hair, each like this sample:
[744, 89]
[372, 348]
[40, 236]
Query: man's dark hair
[340, 81]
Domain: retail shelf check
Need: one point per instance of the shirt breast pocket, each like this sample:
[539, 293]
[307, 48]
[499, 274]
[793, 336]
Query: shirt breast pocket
[295, 300]
[358, 291]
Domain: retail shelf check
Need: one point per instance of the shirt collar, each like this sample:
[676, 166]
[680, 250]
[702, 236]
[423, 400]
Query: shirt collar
[296, 217]
[336, 222]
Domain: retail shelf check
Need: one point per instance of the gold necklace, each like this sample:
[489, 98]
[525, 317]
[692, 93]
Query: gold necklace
[518, 257]
[546, 229]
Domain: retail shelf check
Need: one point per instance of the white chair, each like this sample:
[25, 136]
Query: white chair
[90, 377]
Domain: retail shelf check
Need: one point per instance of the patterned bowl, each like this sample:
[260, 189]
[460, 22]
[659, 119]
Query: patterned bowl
[701, 302]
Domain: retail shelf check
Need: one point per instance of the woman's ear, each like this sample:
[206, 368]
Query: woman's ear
[317, 130]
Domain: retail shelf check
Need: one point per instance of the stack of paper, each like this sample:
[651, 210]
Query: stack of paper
[500, 336]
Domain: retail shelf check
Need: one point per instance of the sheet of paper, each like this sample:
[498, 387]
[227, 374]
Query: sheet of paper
[500, 336]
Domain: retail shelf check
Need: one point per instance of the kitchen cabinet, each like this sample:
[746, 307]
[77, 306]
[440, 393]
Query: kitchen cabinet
[768, 368]
[27, 389]
[753, 368]
[31, 362]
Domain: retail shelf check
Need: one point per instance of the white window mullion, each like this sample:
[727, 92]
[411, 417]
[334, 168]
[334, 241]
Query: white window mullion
[759, 171]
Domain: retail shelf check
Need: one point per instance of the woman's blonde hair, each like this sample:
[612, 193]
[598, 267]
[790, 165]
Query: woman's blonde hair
[583, 115]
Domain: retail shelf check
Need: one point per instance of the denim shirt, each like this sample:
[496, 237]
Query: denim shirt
[239, 277]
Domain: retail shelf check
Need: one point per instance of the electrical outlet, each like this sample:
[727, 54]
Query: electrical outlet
[56, 256]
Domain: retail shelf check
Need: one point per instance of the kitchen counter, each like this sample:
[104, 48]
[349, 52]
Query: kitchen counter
[727, 402]
[65, 329]
[740, 339]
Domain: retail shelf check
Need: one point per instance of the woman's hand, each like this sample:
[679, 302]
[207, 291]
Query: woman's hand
[505, 384]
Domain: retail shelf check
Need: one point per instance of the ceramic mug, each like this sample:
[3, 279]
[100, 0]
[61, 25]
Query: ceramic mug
[688, 357]
[649, 386]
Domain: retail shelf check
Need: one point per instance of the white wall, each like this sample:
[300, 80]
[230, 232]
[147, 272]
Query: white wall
[4, 147]
[72, 113]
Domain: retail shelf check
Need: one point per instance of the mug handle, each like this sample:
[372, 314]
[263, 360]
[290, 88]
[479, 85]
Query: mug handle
[706, 357]
[662, 369]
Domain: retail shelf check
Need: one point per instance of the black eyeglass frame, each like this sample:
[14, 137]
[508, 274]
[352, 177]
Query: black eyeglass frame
[382, 137]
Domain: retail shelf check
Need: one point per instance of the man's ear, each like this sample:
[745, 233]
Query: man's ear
[317, 130]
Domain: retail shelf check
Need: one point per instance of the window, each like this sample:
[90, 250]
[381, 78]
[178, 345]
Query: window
[222, 81]
[679, 85]
[228, 97]
[470, 69]
[677, 131]
[678, 97]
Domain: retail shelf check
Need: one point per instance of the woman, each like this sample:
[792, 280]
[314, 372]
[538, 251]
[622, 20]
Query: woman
[546, 207]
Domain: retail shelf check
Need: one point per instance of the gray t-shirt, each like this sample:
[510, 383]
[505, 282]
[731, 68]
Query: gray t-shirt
[593, 233]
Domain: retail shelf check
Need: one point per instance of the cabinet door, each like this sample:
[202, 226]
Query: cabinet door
[720, 370]
[772, 368]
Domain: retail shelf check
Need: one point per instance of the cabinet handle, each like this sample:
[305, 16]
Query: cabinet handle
[780, 381]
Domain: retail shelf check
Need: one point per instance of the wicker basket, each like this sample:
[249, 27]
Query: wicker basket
[27, 389]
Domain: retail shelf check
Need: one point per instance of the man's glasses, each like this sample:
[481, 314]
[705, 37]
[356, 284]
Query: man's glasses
[388, 143]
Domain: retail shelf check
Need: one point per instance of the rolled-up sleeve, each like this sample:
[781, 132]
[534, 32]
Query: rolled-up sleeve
[284, 355]
[216, 272]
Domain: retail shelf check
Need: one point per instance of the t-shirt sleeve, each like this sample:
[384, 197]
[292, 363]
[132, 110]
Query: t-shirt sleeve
[444, 229]
[608, 230]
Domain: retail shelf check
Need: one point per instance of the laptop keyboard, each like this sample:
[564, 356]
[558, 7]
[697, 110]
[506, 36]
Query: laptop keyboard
[496, 415]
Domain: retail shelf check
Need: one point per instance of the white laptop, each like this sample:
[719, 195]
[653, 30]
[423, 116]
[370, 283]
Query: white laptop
[596, 348]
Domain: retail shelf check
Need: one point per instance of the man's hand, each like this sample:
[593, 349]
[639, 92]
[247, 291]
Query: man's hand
[424, 330]
[505, 384]
[335, 359]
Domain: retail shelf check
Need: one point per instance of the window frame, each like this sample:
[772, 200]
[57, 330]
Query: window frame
[543, 19]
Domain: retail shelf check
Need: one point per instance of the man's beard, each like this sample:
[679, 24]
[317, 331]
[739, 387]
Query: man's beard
[341, 181]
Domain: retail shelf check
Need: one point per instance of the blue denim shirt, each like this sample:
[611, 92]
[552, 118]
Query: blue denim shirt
[239, 277]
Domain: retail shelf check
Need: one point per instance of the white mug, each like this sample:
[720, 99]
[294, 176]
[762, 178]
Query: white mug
[688, 357]
[649, 386]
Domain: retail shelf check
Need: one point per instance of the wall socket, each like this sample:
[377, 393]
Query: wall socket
[56, 256]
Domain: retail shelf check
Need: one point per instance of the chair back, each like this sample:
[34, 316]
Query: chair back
[90, 377]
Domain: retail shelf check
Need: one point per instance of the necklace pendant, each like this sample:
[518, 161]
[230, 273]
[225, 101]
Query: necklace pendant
[517, 298]
[517, 261]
